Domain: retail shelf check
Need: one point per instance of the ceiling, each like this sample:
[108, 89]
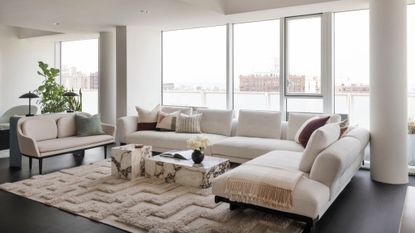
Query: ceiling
[102, 15]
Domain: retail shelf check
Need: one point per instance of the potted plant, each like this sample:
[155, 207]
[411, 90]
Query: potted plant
[198, 145]
[51, 93]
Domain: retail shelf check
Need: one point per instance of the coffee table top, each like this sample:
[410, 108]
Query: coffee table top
[208, 162]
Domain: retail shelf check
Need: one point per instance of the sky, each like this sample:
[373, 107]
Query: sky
[82, 54]
[191, 56]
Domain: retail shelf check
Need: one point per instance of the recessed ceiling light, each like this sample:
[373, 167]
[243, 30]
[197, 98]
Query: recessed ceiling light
[56, 23]
[144, 11]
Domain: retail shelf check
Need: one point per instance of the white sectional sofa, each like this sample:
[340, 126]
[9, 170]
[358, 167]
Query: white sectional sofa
[263, 139]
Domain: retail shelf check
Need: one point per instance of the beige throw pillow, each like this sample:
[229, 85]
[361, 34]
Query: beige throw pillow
[147, 119]
[167, 121]
[188, 123]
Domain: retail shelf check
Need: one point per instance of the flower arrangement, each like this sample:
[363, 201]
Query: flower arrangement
[198, 143]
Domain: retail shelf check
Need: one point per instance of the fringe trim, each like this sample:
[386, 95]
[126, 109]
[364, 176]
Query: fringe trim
[245, 191]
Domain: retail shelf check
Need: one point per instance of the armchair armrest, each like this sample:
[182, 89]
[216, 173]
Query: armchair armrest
[126, 125]
[109, 129]
[27, 145]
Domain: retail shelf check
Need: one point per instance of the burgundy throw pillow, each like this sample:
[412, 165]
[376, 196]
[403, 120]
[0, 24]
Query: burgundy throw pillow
[309, 128]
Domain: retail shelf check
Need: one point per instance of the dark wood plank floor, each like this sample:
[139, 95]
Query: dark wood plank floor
[363, 207]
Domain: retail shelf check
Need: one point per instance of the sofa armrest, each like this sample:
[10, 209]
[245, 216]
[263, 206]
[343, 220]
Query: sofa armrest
[27, 145]
[126, 125]
[109, 129]
[332, 162]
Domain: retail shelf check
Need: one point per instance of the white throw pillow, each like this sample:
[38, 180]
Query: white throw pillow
[167, 121]
[216, 121]
[319, 140]
[261, 124]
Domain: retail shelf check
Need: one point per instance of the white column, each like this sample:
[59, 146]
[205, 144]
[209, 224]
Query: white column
[121, 70]
[388, 91]
[107, 80]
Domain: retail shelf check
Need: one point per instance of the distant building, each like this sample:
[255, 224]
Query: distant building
[296, 83]
[352, 88]
[259, 82]
[168, 86]
[94, 81]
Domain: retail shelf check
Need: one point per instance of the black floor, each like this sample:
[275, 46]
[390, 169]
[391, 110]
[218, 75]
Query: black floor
[363, 207]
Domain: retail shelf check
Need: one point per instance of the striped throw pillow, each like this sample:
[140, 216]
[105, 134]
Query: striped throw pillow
[188, 124]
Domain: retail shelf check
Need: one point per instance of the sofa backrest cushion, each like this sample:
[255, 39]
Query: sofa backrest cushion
[360, 134]
[171, 109]
[319, 140]
[261, 124]
[296, 120]
[216, 121]
[66, 126]
[40, 129]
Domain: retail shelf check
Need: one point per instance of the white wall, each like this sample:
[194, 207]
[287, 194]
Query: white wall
[18, 63]
[143, 68]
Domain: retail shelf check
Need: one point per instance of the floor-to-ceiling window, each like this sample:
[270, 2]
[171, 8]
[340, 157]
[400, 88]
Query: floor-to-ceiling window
[411, 86]
[351, 65]
[79, 71]
[303, 64]
[194, 67]
[256, 81]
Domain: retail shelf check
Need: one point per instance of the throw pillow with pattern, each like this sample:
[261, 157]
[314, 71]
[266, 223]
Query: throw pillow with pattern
[167, 121]
[188, 123]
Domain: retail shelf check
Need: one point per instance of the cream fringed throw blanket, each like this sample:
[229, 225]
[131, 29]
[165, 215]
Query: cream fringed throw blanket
[262, 185]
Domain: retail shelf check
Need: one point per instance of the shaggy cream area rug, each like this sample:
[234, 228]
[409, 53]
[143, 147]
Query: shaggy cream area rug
[143, 204]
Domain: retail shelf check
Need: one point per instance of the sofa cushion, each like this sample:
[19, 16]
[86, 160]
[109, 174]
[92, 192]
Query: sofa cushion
[250, 147]
[296, 120]
[170, 109]
[71, 142]
[319, 140]
[168, 140]
[216, 121]
[40, 128]
[66, 126]
[188, 123]
[147, 119]
[261, 124]
[279, 159]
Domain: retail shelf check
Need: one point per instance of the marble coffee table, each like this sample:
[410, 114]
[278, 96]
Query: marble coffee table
[127, 161]
[186, 172]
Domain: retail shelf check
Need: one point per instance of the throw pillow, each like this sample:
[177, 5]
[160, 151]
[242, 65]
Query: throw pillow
[167, 121]
[309, 126]
[319, 140]
[147, 119]
[88, 125]
[188, 123]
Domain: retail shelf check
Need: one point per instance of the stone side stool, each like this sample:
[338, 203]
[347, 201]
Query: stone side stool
[127, 161]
